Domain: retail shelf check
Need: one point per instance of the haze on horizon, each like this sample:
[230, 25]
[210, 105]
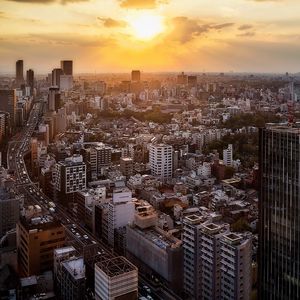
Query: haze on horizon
[151, 35]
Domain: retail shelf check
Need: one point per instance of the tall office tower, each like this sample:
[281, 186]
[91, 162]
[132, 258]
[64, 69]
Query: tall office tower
[67, 67]
[236, 270]
[135, 75]
[30, 79]
[4, 125]
[228, 156]
[116, 278]
[8, 103]
[53, 98]
[69, 177]
[37, 237]
[182, 78]
[279, 229]
[19, 73]
[161, 160]
[56, 73]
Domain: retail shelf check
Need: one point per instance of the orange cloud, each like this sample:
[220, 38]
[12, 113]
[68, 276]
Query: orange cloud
[141, 4]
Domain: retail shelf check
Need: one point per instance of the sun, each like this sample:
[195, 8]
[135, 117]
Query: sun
[146, 26]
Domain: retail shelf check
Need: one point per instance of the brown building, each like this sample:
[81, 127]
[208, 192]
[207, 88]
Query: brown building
[37, 238]
[126, 166]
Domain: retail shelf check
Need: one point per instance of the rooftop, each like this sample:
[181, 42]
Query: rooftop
[75, 267]
[284, 127]
[116, 266]
[160, 238]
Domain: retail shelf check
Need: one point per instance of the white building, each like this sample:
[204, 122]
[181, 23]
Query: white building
[70, 175]
[120, 211]
[116, 278]
[161, 160]
[228, 156]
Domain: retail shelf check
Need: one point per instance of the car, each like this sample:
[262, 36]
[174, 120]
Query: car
[147, 289]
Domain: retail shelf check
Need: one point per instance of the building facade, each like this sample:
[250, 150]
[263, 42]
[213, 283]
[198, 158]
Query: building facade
[279, 229]
[161, 160]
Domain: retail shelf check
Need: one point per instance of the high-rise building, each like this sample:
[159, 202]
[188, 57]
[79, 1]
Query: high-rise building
[8, 103]
[161, 160]
[116, 278]
[53, 98]
[56, 73]
[37, 237]
[182, 78]
[19, 73]
[67, 67]
[236, 270]
[217, 263]
[279, 229]
[69, 176]
[30, 80]
[228, 156]
[135, 75]
[4, 125]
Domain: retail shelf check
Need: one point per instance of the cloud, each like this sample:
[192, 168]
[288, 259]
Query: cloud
[247, 34]
[47, 1]
[109, 22]
[221, 26]
[141, 4]
[186, 29]
[3, 15]
[245, 27]
[70, 39]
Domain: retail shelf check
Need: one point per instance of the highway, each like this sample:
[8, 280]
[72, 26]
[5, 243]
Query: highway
[17, 149]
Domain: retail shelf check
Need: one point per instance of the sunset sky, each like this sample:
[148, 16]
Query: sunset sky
[151, 35]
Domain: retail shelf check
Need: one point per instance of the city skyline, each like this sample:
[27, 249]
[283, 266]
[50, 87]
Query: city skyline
[154, 36]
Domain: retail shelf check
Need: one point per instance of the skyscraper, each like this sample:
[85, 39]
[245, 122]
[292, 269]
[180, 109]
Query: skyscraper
[8, 103]
[279, 229]
[135, 75]
[30, 79]
[19, 73]
[67, 67]
[56, 73]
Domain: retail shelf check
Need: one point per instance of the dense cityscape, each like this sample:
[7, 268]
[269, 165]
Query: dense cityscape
[149, 150]
[146, 185]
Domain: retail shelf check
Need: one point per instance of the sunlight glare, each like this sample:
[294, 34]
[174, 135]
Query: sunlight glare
[146, 26]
